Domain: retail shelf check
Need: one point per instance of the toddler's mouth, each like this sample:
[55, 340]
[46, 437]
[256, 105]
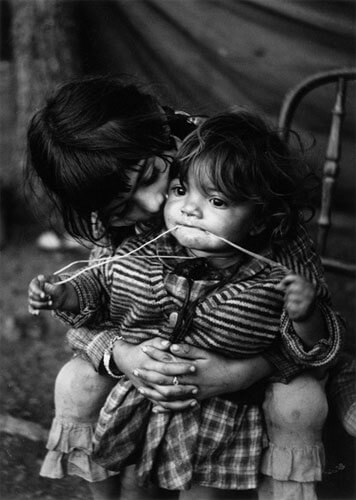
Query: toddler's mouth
[188, 226]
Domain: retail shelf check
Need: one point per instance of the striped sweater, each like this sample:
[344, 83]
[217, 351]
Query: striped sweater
[219, 443]
[137, 296]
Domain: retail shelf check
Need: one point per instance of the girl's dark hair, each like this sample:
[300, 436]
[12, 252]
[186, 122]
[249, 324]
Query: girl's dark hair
[85, 140]
[245, 159]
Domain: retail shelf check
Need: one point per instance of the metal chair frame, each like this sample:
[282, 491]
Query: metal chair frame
[340, 77]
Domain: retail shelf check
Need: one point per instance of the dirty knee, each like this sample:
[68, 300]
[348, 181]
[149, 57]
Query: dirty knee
[298, 406]
[80, 391]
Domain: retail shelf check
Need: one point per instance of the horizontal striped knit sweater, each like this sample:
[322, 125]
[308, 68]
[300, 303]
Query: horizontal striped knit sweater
[218, 444]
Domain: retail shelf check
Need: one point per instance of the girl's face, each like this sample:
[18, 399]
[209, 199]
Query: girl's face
[196, 211]
[146, 197]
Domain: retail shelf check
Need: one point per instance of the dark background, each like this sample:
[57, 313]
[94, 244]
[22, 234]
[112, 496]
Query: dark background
[198, 56]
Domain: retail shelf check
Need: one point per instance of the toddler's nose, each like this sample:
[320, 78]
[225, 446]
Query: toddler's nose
[190, 208]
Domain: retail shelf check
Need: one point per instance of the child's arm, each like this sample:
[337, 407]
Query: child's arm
[303, 311]
[43, 293]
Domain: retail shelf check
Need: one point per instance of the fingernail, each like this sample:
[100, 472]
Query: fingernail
[192, 369]
[195, 391]
[42, 295]
[50, 303]
[144, 348]
[193, 403]
[154, 410]
[175, 347]
[165, 343]
[136, 373]
[141, 390]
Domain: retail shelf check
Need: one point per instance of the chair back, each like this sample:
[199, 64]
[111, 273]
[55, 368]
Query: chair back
[340, 78]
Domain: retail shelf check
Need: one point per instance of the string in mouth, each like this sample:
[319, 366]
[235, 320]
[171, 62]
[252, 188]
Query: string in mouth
[106, 260]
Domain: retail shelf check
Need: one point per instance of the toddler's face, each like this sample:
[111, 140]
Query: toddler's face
[197, 212]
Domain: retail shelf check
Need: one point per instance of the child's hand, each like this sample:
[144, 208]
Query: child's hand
[299, 297]
[43, 294]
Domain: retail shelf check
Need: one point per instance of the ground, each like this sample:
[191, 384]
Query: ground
[32, 351]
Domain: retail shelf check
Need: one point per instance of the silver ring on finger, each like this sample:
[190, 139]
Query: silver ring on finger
[175, 381]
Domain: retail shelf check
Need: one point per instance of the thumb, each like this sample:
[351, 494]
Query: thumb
[51, 289]
[49, 285]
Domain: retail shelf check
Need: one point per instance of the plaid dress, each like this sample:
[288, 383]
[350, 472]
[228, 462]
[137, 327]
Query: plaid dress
[219, 442]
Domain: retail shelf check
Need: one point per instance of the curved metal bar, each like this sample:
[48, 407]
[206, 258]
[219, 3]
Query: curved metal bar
[296, 94]
[339, 77]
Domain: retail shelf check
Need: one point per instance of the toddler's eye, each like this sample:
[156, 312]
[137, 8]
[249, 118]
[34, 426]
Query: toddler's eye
[178, 190]
[218, 202]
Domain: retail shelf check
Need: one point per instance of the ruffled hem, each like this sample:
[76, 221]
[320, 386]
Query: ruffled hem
[69, 452]
[294, 464]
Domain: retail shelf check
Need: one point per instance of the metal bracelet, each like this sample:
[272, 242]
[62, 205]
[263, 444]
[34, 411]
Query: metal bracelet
[108, 356]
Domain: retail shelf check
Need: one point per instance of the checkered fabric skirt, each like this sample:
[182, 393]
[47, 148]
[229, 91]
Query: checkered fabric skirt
[217, 443]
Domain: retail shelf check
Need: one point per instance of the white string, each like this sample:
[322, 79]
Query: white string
[106, 260]
[248, 252]
[74, 263]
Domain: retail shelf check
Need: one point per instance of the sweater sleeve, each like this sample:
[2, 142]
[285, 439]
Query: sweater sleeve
[93, 290]
[325, 350]
[300, 256]
[92, 341]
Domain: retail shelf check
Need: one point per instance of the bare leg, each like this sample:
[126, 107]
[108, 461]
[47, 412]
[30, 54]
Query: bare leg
[295, 415]
[80, 393]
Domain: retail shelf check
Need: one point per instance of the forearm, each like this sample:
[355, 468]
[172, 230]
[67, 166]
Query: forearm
[241, 374]
[312, 329]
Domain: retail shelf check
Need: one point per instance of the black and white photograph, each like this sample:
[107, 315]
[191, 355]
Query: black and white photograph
[178, 250]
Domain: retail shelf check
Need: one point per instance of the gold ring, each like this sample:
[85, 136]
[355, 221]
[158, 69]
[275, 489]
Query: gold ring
[175, 381]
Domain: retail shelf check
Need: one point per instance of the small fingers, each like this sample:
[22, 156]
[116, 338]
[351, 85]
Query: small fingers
[35, 288]
[165, 407]
[153, 377]
[168, 392]
[161, 405]
[37, 296]
[43, 304]
[34, 312]
[176, 392]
